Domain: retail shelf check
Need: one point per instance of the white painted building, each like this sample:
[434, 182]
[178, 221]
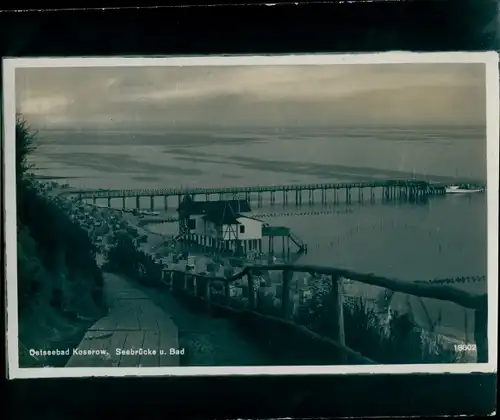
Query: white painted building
[219, 220]
[245, 228]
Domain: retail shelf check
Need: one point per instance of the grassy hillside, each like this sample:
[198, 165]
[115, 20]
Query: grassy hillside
[59, 284]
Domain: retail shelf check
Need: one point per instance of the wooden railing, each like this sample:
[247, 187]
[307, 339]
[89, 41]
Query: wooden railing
[214, 290]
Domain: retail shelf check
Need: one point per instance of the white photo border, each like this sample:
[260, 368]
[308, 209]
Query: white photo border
[490, 59]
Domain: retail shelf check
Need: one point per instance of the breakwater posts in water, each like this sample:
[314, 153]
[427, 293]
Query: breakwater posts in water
[469, 279]
[157, 220]
[385, 190]
[213, 294]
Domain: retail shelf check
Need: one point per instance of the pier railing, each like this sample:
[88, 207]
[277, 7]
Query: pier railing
[216, 292]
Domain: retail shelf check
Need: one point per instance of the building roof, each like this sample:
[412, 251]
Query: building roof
[226, 218]
[223, 212]
[218, 207]
[252, 218]
[229, 217]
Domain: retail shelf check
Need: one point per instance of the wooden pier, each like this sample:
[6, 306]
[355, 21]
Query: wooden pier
[385, 190]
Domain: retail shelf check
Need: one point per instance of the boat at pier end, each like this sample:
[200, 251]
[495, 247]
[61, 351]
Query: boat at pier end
[463, 189]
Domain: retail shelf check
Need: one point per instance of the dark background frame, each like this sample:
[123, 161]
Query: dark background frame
[413, 25]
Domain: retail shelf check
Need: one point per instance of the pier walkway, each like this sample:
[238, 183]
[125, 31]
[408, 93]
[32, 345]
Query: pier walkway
[340, 191]
[155, 192]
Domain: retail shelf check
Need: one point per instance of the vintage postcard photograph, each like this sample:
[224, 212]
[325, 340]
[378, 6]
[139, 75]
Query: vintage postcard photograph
[251, 214]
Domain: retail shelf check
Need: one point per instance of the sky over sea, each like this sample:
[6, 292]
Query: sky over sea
[142, 98]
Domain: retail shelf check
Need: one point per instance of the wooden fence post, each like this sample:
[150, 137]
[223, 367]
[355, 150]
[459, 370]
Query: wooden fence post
[481, 333]
[195, 285]
[227, 292]
[207, 292]
[251, 291]
[337, 305]
[285, 297]
[177, 281]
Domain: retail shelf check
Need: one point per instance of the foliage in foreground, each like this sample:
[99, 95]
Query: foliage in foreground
[58, 279]
[124, 257]
[397, 342]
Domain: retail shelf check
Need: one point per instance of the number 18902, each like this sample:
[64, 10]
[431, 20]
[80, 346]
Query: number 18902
[465, 347]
